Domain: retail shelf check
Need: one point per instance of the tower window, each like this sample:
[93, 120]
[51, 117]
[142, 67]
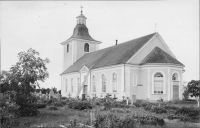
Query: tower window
[67, 47]
[86, 47]
[103, 83]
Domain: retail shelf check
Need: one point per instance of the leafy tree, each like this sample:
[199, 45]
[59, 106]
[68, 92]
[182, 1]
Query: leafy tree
[23, 77]
[194, 89]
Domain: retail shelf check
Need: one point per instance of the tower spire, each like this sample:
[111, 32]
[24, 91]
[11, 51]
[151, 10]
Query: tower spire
[81, 19]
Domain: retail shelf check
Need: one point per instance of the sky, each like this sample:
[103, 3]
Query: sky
[43, 25]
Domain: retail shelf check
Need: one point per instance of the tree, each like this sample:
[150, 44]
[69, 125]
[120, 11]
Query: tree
[23, 77]
[194, 89]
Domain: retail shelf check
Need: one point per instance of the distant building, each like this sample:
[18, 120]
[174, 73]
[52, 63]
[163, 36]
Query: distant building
[144, 67]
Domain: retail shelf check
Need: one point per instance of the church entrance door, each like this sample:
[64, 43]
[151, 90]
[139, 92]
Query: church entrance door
[85, 89]
[175, 90]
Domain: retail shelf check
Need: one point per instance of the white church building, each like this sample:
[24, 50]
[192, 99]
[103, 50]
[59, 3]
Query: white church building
[144, 67]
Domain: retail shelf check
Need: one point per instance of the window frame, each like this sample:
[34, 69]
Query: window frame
[86, 47]
[72, 86]
[94, 84]
[114, 82]
[134, 79]
[103, 89]
[163, 85]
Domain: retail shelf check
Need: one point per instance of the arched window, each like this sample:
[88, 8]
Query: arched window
[158, 83]
[67, 47]
[114, 82]
[72, 85]
[86, 47]
[103, 83]
[93, 84]
[65, 85]
[175, 77]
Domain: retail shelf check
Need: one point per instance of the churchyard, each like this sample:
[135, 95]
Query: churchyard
[107, 112]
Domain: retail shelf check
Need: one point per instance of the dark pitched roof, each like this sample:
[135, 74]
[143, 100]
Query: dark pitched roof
[81, 32]
[157, 55]
[114, 55]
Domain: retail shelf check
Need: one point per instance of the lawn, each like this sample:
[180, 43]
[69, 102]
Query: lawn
[64, 114]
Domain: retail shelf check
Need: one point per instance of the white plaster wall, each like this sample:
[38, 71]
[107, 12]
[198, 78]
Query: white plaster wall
[108, 73]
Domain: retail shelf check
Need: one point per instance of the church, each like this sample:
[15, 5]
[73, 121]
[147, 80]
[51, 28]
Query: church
[144, 68]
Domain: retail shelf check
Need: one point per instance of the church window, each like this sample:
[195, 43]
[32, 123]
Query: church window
[65, 85]
[67, 47]
[134, 80]
[175, 77]
[158, 83]
[78, 83]
[114, 82]
[72, 85]
[86, 47]
[103, 83]
[93, 83]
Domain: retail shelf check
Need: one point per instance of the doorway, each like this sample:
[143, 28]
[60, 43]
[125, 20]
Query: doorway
[175, 84]
[85, 89]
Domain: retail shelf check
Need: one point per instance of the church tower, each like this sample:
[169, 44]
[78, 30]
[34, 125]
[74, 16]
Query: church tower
[79, 43]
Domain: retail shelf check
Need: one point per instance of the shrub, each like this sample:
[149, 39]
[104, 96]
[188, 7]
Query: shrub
[27, 105]
[80, 105]
[53, 108]
[28, 110]
[112, 120]
[167, 107]
[58, 104]
[190, 112]
[64, 98]
[158, 110]
[151, 120]
[41, 106]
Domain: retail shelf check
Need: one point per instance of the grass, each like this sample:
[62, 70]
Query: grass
[64, 114]
[55, 117]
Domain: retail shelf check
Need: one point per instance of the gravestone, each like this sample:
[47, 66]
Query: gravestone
[40, 94]
[133, 99]
[47, 95]
[51, 94]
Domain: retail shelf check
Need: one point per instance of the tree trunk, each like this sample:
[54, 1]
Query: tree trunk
[198, 100]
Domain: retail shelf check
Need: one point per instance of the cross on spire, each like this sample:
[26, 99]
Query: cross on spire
[81, 9]
[155, 26]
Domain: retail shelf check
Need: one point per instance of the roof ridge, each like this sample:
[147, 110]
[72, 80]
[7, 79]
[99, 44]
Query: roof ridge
[121, 43]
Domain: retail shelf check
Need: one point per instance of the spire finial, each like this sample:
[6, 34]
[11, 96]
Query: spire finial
[155, 26]
[81, 9]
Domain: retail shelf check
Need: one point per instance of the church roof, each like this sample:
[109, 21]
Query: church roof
[81, 32]
[157, 55]
[118, 54]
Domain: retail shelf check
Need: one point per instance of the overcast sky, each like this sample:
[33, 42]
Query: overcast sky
[43, 25]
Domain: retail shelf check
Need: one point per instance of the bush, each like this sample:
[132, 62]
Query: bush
[53, 108]
[111, 120]
[151, 120]
[80, 105]
[193, 113]
[120, 110]
[41, 106]
[28, 110]
[27, 105]
[58, 104]
[109, 105]
[114, 120]
[158, 110]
